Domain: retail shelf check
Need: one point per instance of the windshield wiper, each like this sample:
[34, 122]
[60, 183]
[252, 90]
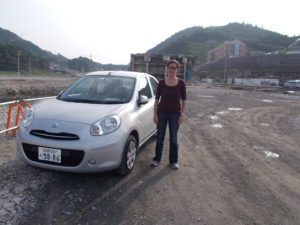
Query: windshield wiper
[81, 100]
[114, 102]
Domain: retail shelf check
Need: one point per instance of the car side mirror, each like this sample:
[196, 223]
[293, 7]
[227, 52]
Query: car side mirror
[142, 100]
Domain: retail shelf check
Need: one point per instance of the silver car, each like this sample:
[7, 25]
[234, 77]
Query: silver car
[97, 124]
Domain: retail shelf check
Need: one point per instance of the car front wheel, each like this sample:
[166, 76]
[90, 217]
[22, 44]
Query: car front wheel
[129, 156]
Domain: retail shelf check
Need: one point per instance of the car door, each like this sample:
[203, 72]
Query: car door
[145, 111]
[153, 83]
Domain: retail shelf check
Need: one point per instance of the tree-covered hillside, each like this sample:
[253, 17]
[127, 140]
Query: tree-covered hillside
[9, 38]
[198, 40]
[30, 56]
[9, 59]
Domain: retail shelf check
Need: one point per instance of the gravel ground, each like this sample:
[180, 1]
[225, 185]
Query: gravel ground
[239, 164]
[19, 184]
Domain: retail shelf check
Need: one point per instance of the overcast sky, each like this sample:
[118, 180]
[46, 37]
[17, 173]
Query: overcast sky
[110, 30]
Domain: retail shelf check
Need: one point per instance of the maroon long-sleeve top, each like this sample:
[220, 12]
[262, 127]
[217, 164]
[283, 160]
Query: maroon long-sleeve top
[169, 96]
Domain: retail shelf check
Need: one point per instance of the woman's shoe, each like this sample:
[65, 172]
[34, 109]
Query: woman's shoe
[154, 163]
[174, 166]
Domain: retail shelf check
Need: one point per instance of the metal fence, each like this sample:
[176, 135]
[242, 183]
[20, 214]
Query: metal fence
[12, 112]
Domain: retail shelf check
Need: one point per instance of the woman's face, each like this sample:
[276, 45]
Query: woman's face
[172, 69]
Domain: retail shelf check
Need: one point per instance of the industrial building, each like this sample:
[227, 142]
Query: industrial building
[156, 64]
[279, 66]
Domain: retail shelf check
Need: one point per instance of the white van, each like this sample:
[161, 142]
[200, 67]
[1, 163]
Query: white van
[292, 83]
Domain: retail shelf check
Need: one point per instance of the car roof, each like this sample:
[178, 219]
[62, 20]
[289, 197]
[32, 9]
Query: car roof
[117, 73]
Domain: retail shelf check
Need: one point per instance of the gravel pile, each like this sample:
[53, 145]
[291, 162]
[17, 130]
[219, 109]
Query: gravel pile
[31, 90]
[21, 87]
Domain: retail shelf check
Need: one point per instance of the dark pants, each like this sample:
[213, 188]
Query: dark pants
[172, 120]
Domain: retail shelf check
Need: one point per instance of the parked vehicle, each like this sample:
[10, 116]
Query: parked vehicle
[292, 84]
[98, 123]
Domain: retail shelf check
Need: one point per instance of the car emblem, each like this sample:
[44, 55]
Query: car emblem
[54, 125]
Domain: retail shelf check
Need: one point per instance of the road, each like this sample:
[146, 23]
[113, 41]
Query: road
[239, 164]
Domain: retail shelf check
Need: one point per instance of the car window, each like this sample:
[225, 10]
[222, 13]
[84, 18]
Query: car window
[154, 84]
[81, 87]
[144, 88]
[100, 89]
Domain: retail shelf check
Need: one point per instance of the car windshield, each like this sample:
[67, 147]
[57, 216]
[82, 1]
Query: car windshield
[100, 90]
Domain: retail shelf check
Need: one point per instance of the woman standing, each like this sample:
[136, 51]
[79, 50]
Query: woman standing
[169, 108]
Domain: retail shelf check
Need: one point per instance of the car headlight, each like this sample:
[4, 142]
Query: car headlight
[106, 125]
[28, 118]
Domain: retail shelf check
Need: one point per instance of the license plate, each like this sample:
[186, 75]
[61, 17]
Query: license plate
[50, 154]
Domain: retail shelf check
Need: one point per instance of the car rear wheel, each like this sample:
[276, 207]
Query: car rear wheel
[129, 156]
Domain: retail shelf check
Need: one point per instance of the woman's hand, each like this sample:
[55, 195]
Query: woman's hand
[155, 119]
[181, 119]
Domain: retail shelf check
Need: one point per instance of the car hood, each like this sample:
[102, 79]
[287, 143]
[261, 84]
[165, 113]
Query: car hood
[74, 112]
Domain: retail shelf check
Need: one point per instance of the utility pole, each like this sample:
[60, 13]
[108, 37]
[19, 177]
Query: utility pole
[91, 67]
[225, 69]
[226, 53]
[147, 59]
[18, 62]
[132, 62]
[30, 66]
[166, 58]
[184, 60]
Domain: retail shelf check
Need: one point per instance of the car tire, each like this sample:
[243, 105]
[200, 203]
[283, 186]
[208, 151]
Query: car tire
[128, 157]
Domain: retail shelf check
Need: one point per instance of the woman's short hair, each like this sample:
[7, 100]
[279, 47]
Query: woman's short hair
[173, 61]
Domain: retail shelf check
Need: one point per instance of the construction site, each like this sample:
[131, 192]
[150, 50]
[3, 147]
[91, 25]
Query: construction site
[230, 63]
[238, 150]
[100, 126]
[233, 60]
[239, 164]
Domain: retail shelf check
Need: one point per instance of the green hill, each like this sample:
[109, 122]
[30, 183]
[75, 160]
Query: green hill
[9, 59]
[9, 38]
[33, 57]
[198, 41]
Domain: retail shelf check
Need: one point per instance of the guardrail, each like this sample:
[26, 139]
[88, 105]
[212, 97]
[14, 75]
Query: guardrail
[15, 109]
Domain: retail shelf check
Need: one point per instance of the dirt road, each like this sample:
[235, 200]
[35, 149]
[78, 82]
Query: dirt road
[239, 164]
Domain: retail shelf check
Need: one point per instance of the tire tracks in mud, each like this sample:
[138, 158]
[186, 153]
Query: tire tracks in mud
[228, 153]
[224, 175]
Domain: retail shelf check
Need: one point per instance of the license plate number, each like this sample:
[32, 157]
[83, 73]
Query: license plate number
[50, 154]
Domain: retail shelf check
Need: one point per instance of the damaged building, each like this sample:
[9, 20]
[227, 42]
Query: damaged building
[156, 64]
[272, 69]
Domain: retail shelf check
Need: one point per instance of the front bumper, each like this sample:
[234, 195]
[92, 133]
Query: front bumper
[106, 151]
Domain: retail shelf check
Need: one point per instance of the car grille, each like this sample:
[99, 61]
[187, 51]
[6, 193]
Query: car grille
[68, 157]
[56, 136]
